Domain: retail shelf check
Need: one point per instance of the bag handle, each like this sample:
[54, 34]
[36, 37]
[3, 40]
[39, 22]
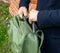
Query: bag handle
[40, 37]
[33, 27]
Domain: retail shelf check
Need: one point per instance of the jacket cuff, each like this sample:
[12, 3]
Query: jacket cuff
[23, 4]
[42, 19]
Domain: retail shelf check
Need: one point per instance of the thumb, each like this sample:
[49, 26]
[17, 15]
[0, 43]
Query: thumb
[20, 14]
[25, 12]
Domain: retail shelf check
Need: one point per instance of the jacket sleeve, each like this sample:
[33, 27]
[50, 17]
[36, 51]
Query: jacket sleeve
[24, 3]
[48, 18]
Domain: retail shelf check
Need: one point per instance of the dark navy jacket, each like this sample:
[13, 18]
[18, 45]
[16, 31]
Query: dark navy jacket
[48, 20]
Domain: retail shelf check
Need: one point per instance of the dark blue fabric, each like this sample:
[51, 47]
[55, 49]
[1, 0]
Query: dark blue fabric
[24, 3]
[48, 20]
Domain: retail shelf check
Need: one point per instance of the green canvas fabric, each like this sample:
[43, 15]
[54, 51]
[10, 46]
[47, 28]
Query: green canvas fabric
[21, 37]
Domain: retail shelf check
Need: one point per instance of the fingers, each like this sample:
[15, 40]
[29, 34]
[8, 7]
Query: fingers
[30, 18]
[25, 12]
[30, 21]
[20, 14]
[22, 11]
[33, 16]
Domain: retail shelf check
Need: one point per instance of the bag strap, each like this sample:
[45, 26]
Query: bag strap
[33, 27]
[40, 37]
[42, 34]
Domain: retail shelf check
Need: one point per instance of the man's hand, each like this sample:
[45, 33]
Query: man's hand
[22, 11]
[33, 16]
